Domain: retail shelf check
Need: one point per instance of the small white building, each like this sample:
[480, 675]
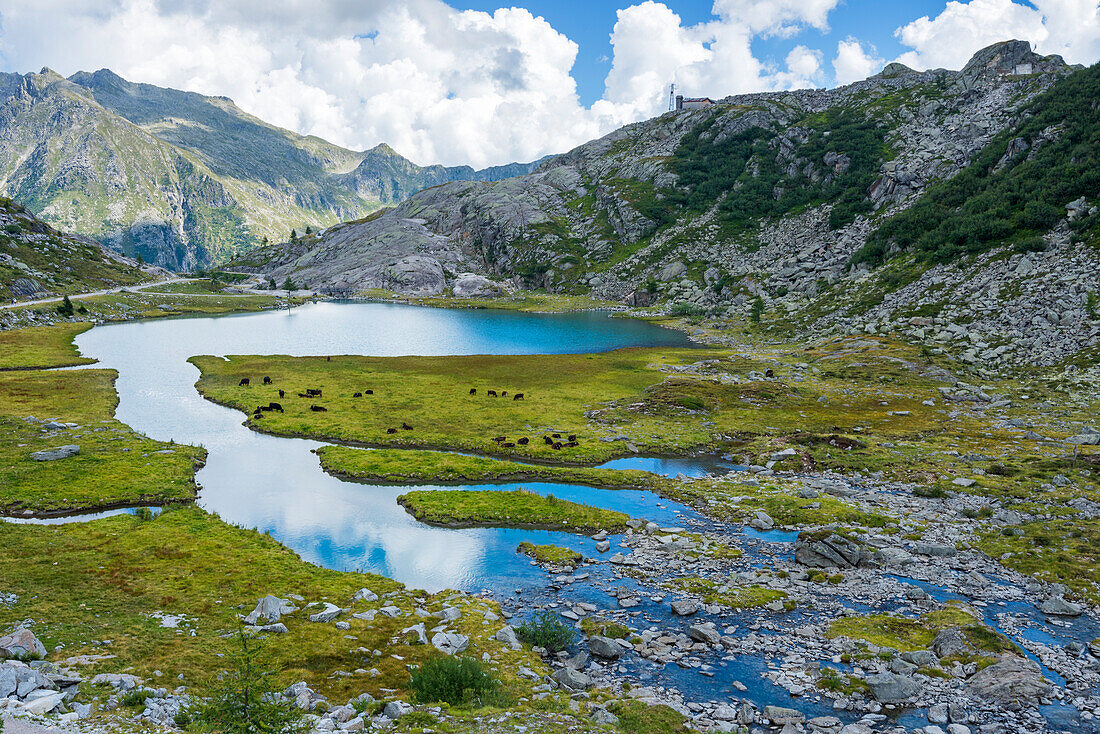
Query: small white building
[693, 103]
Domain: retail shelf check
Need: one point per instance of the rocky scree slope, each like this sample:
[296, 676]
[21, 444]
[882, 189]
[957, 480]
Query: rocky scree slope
[37, 261]
[790, 197]
[181, 178]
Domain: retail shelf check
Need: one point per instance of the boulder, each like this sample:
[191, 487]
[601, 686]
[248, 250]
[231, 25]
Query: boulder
[450, 643]
[396, 709]
[1056, 606]
[780, 716]
[571, 680]
[950, 642]
[329, 613]
[831, 551]
[469, 285]
[1011, 682]
[269, 609]
[43, 705]
[416, 635]
[684, 607]
[364, 595]
[21, 643]
[507, 635]
[892, 688]
[604, 647]
[603, 717]
[8, 683]
[62, 452]
[706, 633]
[670, 271]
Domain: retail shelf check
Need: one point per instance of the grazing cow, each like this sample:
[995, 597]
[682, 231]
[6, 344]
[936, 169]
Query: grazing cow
[391, 430]
[518, 396]
[310, 393]
[267, 380]
[557, 445]
[491, 393]
[243, 382]
[523, 441]
[549, 441]
[282, 394]
[769, 374]
[508, 445]
[555, 435]
[571, 444]
[504, 393]
[357, 394]
[368, 392]
[275, 406]
[572, 437]
[406, 426]
[262, 408]
[318, 408]
[328, 359]
[473, 391]
[257, 414]
[499, 439]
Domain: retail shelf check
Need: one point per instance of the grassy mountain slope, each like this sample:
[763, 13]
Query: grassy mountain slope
[37, 261]
[181, 178]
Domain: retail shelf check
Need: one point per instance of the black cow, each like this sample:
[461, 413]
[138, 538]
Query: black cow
[368, 392]
[243, 382]
[405, 426]
[523, 441]
[473, 391]
[310, 393]
[557, 445]
[555, 435]
[504, 393]
[282, 394]
[500, 439]
[572, 437]
[357, 394]
[391, 430]
[549, 441]
[769, 374]
[518, 396]
[491, 393]
[318, 408]
[276, 407]
[267, 380]
[328, 359]
[571, 444]
[262, 408]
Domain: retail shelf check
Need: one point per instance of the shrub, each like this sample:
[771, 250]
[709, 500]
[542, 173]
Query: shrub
[247, 702]
[12, 228]
[457, 681]
[66, 308]
[757, 310]
[1092, 305]
[143, 514]
[547, 631]
[687, 309]
[134, 698]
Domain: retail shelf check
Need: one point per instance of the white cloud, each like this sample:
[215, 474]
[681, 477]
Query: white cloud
[449, 86]
[853, 63]
[1067, 27]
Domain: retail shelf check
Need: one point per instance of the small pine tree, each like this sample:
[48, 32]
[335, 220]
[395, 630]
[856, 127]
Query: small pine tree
[293, 235]
[246, 702]
[288, 285]
[309, 230]
[66, 308]
[271, 284]
[1092, 305]
[757, 310]
[140, 259]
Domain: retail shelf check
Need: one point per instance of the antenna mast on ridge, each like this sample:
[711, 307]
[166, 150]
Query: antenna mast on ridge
[671, 97]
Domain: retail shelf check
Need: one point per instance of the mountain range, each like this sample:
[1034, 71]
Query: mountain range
[957, 207]
[182, 179]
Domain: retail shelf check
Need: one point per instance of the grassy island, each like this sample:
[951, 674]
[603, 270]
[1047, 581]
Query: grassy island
[517, 509]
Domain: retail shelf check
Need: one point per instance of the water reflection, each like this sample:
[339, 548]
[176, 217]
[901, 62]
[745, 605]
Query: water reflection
[275, 484]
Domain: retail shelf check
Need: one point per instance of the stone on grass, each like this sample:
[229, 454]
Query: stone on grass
[21, 643]
[396, 709]
[329, 613]
[572, 680]
[450, 643]
[364, 595]
[62, 452]
[507, 635]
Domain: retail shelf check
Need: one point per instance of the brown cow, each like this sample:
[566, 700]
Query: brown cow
[498, 439]
[491, 393]
[518, 396]
[318, 408]
[243, 382]
[508, 445]
[571, 444]
[406, 426]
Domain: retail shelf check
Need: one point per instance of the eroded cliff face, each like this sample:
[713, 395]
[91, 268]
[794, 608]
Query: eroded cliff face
[183, 179]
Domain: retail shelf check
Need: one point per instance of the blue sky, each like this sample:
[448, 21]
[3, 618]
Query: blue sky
[589, 25]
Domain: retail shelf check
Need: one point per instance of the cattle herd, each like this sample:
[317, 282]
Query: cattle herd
[554, 440]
